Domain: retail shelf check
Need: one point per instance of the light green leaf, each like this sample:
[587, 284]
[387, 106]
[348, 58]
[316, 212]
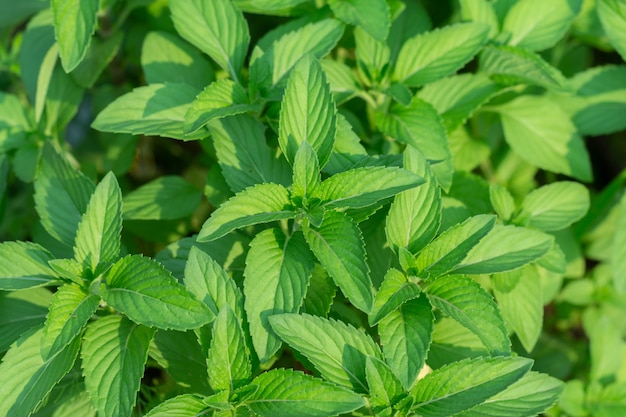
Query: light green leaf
[35, 47]
[306, 171]
[217, 28]
[394, 291]
[270, 7]
[261, 203]
[113, 355]
[537, 25]
[468, 303]
[337, 350]
[606, 345]
[74, 23]
[480, 11]
[25, 265]
[406, 334]
[502, 201]
[372, 57]
[542, 134]
[61, 195]
[338, 246]
[70, 310]
[228, 363]
[14, 114]
[20, 311]
[26, 378]
[371, 15]
[169, 197]
[152, 110]
[285, 393]
[415, 215]
[461, 385]
[385, 389]
[362, 187]
[612, 14]
[554, 206]
[406, 25]
[520, 301]
[618, 251]
[453, 342]
[98, 234]
[452, 246]
[433, 55]
[343, 82]
[148, 294]
[167, 58]
[277, 273]
[307, 112]
[186, 405]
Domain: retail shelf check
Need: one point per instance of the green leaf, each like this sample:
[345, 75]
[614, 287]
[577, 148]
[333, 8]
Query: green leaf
[26, 378]
[362, 187]
[14, 114]
[542, 134]
[152, 110]
[306, 171]
[20, 311]
[394, 291]
[285, 393]
[62, 99]
[167, 58]
[74, 23]
[530, 395]
[320, 294]
[554, 206]
[385, 389]
[217, 28]
[452, 246]
[618, 252]
[113, 355]
[468, 303]
[337, 350]
[25, 266]
[433, 55]
[406, 334]
[98, 57]
[480, 11]
[70, 310]
[343, 82]
[269, 7]
[338, 246]
[35, 69]
[612, 14]
[61, 195]
[277, 273]
[502, 201]
[308, 112]
[186, 405]
[519, 298]
[261, 203]
[169, 197]
[148, 294]
[462, 385]
[372, 59]
[228, 363]
[371, 15]
[14, 13]
[415, 215]
[221, 98]
[537, 25]
[453, 342]
[98, 234]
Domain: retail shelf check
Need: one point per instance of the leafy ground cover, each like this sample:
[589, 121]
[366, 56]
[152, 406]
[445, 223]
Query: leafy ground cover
[312, 208]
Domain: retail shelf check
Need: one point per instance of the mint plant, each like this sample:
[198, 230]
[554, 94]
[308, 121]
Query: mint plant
[312, 208]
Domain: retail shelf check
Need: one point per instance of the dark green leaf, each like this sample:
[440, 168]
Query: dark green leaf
[169, 197]
[20, 311]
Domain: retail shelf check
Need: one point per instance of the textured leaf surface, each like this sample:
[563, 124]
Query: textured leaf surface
[114, 354]
[24, 265]
[468, 303]
[306, 171]
[394, 291]
[277, 273]
[74, 23]
[285, 393]
[338, 351]
[186, 405]
[618, 252]
[261, 203]
[555, 206]
[339, 247]
[167, 197]
[385, 389]
[20, 311]
[372, 15]
[612, 14]
[148, 294]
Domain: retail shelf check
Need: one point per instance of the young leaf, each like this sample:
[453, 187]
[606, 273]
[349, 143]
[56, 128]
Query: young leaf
[394, 291]
[554, 206]
[70, 310]
[502, 201]
[430, 56]
[480, 11]
[24, 265]
[217, 28]
[148, 294]
[468, 303]
[612, 14]
[113, 356]
[165, 198]
[406, 334]
[543, 134]
[338, 351]
[228, 363]
[20, 311]
[452, 246]
[152, 110]
[306, 171]
[372, 59]
[385, 389]
[462, 385]
[98, 234]
[261, 203]
[343, 82]
[277, 273]
[285, 393]
[415, 215]
[74, 23]
[339, 247]
[26, 378]
[618, 252]
[371, 15]
[186, 405]
[243, 155]
[308, 112]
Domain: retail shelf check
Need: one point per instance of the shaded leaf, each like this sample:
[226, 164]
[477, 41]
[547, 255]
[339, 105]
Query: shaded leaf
[74, 23]
[165, 198]
[24, 265]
